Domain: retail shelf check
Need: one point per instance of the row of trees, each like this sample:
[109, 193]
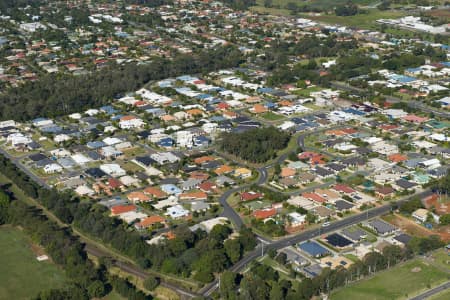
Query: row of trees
[256, 145]
[58, 94]
[189, 253]
[263, 282]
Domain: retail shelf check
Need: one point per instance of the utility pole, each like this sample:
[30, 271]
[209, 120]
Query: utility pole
[262, 249]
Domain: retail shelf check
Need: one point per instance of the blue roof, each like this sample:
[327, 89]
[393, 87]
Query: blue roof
[51, 129]
[170, 189]
[186, 78]
[445, 63]
[264, 90]
[117, 117]
[413, 69]
[203, 96]
[166, 142]
[39, 120]
[108, 109]
[313, 249]
[354, 111]
[402, 78]
[95, 144]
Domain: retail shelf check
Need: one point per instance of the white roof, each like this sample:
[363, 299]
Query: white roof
[111, 141]
[80, 159]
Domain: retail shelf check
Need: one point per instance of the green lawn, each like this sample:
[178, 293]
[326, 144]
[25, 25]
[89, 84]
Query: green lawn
[113, 296]
[272, 116]
[23, 277]
[397, 283]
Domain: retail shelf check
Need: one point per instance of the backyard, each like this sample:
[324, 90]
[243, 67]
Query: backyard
[25, 276]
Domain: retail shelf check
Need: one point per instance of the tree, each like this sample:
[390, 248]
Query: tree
[445, 219]
[268, 3]
[281, 258]
[4, 207]
[228, 284]
[247, 239]
[96, 289]
[151, 283]
[233, 249]
[276, 293]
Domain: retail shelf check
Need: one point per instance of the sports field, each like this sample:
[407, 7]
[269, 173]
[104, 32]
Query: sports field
[22, 276]
[400, 282]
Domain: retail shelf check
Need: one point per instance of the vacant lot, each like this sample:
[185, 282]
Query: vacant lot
[23, 277]
[400, 282]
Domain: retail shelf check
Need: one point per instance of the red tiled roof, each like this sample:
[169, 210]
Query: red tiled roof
[120, 209]
[248, 196]
[314, 197]
[149, 221]
[265, 213]
[343, 188]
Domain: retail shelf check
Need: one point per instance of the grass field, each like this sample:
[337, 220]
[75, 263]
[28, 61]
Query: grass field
[23, 277]
[365, 21]
[399, 282]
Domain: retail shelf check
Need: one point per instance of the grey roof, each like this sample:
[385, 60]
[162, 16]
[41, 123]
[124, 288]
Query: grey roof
[343, 205]
[405, 184]
[66, 162]
[335, 167]
[356, 234]
[190, 183]
[199, 206]
[353, 161]
[381, 227]
[403, 238]
[323, 172]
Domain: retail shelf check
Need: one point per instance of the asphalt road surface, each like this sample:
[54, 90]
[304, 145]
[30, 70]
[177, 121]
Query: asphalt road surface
[432, 292]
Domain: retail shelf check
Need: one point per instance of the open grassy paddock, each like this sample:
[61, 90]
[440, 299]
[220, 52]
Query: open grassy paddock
[23, 277]
[400, 282]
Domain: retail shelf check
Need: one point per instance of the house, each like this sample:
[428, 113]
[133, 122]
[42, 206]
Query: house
[343, 206]
[195, 195]
[199, 206]
[155, 192]
[52, 168]
[164, 157]
[190, 183]
[381, 228]
[250, 196]
[177, 212]
[296, 219]
[224, 169]
[314, 197]
[242, 173]
[344, 189]
[138, 197]
[120, 209]
[420, 215]
[263, 214]
[384, 192]
[323, 212]
[314, 249]
[207, 187]
[287, 172]
[149, 222]
[113, 170]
